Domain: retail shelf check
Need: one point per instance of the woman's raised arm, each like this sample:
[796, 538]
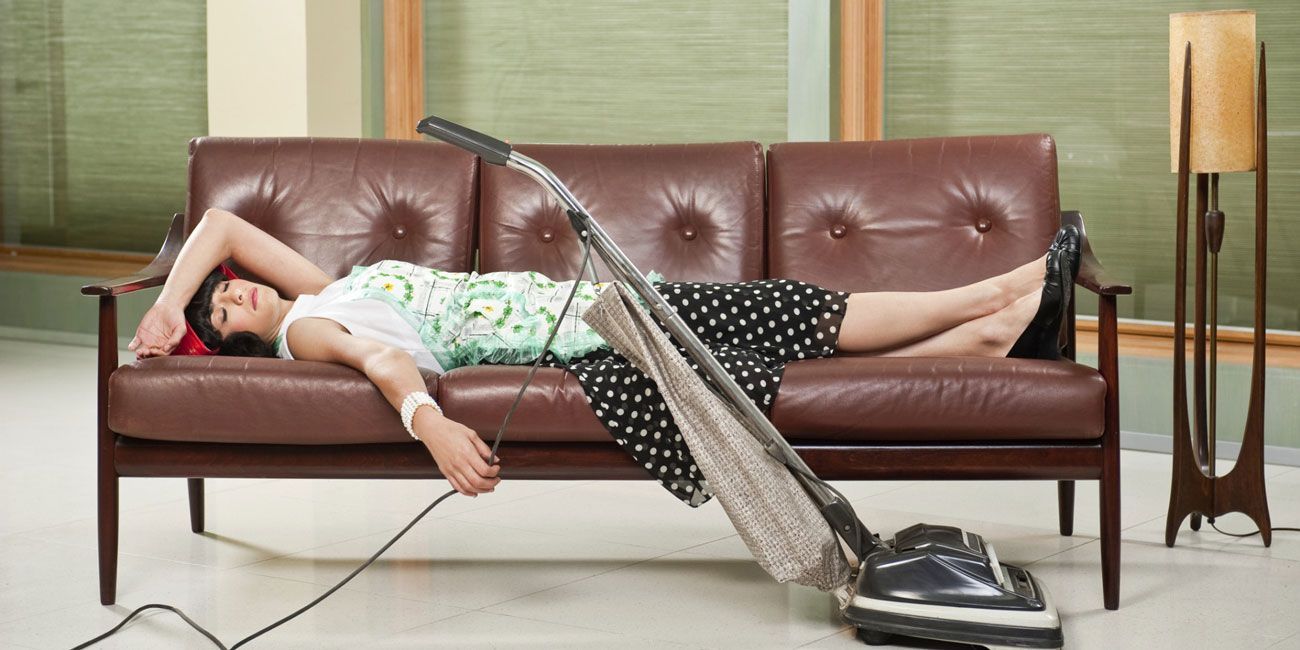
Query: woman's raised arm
[222, 235]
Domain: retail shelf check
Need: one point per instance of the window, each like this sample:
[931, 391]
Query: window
[98, 100]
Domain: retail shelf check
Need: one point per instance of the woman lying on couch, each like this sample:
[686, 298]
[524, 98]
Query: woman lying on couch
[391, 319]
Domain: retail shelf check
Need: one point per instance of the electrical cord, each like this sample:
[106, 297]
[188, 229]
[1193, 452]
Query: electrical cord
[586, 258]
[1273, 529]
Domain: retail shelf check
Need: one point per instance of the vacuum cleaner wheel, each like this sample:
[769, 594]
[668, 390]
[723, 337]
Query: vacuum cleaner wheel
[874, 637]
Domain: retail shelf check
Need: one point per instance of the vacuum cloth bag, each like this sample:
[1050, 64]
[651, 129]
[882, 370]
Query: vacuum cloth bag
[779, 522]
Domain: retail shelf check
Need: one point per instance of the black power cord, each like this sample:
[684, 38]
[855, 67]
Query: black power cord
[1273, 529]
[586, 258]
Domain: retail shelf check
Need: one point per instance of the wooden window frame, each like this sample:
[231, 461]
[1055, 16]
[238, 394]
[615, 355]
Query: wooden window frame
[403, 68]
[71, 261]
[862, 69]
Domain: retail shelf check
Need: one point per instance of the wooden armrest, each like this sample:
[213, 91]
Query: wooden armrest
[1092, 276]
[150, 276]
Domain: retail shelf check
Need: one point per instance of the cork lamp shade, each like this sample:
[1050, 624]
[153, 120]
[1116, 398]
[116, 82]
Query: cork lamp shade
[1223, 89]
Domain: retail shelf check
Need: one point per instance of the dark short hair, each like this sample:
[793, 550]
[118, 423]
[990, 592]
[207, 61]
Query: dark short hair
[199, 315]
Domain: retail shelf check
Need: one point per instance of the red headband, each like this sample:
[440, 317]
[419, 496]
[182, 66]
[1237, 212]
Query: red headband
[190, 343]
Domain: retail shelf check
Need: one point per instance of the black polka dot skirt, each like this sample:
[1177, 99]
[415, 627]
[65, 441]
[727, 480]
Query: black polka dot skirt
[752, 329]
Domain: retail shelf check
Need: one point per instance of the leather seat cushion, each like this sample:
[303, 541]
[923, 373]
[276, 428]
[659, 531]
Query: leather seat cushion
[939, 399]
[251, 400]
[843, 399]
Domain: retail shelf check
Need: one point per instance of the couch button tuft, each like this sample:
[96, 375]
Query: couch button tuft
[689, 233]
[838, 231]
[983, 224]
[399, 231]
[548, 235]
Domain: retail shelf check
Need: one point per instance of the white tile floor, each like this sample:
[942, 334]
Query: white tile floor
[552, 563]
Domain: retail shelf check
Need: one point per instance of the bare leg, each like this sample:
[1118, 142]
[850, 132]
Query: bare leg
[883, 320]
[987, 336]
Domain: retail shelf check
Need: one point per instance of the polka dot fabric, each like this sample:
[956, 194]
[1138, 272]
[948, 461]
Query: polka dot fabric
[752, 329]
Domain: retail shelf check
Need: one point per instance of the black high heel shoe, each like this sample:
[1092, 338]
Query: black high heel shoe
[1040, 340]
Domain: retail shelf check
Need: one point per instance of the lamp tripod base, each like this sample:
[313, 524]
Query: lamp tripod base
[1240, 490]
[1195, 490]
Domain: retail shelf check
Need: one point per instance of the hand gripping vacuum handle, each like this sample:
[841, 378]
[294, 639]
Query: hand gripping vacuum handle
[490, 149]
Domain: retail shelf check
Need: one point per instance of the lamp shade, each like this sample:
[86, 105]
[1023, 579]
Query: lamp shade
[1223, 89]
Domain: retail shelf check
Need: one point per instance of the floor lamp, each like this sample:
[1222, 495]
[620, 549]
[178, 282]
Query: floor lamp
[1216, 126]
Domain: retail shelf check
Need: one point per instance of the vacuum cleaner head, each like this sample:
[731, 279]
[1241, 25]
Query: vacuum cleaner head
[940, 582]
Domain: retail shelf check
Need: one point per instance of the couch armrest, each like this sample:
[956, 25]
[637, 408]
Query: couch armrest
[150, 276]
[1092, 275]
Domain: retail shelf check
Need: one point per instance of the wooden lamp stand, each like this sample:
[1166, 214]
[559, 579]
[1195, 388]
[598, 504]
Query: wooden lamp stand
[1195, 489]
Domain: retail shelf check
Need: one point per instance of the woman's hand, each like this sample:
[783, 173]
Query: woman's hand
[461, 455]
[160, 331]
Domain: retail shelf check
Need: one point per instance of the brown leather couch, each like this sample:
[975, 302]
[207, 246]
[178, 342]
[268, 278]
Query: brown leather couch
[912, 215]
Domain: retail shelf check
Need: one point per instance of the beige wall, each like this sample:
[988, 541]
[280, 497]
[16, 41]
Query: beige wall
[284, 68]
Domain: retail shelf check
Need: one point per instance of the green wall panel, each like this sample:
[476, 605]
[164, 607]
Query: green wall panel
[44, 307]
[618, 71]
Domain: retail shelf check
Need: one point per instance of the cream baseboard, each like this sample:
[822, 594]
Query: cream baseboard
[1164, 444]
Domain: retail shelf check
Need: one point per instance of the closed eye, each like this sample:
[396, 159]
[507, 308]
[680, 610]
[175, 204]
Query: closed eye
[224, 316]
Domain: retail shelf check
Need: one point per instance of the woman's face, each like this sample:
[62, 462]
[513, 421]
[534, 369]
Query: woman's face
[243, 306]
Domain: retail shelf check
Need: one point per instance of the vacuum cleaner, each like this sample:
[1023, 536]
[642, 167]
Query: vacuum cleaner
[928, 582]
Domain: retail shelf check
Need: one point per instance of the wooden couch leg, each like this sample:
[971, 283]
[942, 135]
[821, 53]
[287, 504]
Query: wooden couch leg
[1108, 364]
[1110, 535]
[196, 504]
[1065, 502]
[107, 539]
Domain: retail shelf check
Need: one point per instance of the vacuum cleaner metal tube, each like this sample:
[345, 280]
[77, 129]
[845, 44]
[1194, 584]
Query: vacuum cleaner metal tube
[935, 582]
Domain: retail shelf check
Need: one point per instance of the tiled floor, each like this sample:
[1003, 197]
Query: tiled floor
[552, 564]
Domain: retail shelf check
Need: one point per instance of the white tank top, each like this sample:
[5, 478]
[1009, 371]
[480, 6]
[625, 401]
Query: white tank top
[367, 318]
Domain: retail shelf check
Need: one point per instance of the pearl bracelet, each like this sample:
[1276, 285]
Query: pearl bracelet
[413, 401]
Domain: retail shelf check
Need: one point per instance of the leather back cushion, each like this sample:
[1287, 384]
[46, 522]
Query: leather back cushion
[689, 211]
[342, 202]
[910, 215]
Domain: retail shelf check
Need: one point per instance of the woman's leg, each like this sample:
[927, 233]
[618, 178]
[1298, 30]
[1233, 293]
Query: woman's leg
[883, 320]
[987, 336]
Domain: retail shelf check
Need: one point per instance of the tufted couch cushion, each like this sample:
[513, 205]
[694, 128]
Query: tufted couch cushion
[865, 216]
[342, 202]
[689, 211]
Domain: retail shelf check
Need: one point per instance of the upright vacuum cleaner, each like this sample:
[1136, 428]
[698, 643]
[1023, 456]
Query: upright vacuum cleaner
[930, 582]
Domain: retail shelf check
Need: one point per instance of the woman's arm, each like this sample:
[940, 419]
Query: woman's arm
[460, 454]
[222, 235]
[219, 236]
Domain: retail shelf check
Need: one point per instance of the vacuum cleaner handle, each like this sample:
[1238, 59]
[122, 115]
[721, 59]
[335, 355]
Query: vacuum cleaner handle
[490, 149]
